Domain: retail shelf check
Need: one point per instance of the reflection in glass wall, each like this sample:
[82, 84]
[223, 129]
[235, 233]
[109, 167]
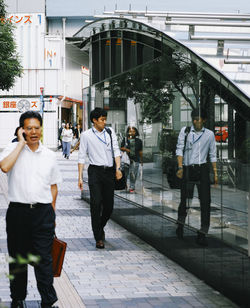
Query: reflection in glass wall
[160, 86]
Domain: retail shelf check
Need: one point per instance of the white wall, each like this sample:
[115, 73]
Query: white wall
[75, 59]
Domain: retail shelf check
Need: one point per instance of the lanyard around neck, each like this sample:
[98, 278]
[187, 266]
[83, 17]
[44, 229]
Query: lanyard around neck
[103, 141]
[194, 141]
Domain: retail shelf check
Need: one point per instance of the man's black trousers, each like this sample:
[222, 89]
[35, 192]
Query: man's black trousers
[31, 230]
[101, 187]
[196, 175]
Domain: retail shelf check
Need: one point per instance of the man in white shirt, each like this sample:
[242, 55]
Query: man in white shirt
[33, 176]
[96, 144]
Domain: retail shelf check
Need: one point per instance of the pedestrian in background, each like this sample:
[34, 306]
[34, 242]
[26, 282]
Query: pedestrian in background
[96, 144]
[132, 145]
[33, 176]
[77, 132]
[76, 137]
[60, 135]
[15, 134]
[193, 169]
[67, 135]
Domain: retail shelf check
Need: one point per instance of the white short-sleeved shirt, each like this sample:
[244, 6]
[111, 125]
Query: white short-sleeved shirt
[31, 177]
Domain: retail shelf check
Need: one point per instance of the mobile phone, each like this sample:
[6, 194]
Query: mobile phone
[24, 136]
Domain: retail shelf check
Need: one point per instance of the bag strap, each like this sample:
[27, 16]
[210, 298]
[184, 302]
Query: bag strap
[108, 130]
[187, 131]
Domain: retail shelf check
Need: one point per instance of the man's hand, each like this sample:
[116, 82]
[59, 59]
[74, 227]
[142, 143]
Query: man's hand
[80, 184]
[118, 174]
[179, 173]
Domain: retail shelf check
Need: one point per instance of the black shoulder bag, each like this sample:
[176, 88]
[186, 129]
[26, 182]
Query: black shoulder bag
[119, 184]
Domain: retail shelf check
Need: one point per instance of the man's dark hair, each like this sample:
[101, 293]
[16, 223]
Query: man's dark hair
[97, 113]
[30, 115]
[199, 112]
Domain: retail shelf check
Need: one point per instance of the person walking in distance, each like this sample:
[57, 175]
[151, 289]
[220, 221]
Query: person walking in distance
[96, 144]
[60, 136]
[67, 135]
[33, 176]
[194, 148]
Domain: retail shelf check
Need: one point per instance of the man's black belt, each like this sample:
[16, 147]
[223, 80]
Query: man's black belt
[195, 165]
[102, 167]
[27, 205]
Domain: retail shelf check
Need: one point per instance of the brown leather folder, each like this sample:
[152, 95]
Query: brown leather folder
[58, 253]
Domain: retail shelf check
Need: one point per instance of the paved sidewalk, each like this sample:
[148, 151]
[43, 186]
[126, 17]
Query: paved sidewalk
[127, 273]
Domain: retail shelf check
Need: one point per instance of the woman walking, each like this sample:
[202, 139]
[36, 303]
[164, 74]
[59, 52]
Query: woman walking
[132, 145]
[67, 135]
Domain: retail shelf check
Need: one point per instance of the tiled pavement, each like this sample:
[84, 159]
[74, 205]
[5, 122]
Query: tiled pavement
[127, 273]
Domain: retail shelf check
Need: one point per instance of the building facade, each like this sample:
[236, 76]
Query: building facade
[53, 72]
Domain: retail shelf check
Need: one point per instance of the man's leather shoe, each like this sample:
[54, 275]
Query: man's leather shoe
[18, 304]
[201, 239]
[100, 244]
[179, 232]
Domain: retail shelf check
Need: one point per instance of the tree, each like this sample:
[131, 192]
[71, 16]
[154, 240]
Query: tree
[10, 66]
[154, 85]
[145, 86]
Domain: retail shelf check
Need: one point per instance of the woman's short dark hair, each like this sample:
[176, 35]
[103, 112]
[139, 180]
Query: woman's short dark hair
[135, 129]
[199, 112]
[97, 113]
[30, 115]
[16, 131]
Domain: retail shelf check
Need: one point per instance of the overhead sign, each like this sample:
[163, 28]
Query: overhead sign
[19, 104]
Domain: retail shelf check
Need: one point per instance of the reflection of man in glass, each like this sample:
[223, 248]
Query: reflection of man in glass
[193, 168]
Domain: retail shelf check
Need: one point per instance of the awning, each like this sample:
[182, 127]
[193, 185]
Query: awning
[68, 101]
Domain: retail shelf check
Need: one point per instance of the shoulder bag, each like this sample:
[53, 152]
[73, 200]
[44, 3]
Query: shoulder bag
[119, 184]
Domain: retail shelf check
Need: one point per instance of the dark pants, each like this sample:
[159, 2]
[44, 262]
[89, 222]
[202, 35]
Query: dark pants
[196, 175]
[31, 230]
[101, 186]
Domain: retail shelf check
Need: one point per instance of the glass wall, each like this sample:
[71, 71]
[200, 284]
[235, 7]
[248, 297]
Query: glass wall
[157, 98]
[153, 86]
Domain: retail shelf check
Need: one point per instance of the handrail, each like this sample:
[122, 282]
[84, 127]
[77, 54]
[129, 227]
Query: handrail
[235, 61]
[172, 13]
[205, 23]
[221, 38]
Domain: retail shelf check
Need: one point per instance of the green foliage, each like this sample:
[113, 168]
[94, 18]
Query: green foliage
[186, 75]
[31, 259]
[154, 85]
[146, 87]
[10, 66]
